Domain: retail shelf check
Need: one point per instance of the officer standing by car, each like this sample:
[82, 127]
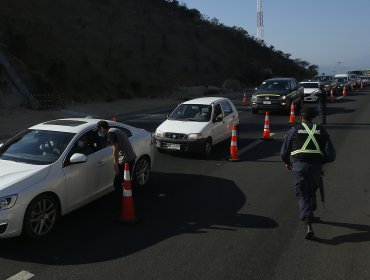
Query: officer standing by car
[323, 99]
[122, 153]
[309, 146]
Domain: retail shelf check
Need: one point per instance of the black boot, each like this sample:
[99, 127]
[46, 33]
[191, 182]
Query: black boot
[309, 231]
[308, 226]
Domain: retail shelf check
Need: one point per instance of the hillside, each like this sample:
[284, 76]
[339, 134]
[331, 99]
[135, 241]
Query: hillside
[108, 49]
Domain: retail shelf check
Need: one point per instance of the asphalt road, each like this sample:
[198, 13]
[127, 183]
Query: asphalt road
[216, 219]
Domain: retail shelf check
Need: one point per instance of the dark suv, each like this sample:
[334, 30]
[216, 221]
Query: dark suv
[276, 94]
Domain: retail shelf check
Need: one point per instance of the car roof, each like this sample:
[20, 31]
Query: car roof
[72, 125]
[309, 81]
[281, 79]
[204, 100]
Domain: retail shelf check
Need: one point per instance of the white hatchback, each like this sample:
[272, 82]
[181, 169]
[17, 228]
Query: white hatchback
[58, 166]
[196, 125]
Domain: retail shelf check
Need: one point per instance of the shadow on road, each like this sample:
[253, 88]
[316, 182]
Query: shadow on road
[363, 234]
[171, 205]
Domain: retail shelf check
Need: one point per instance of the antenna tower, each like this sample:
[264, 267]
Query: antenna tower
[259, 21]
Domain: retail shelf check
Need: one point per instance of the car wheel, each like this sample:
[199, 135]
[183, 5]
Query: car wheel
[207, 148]
[41, 216]
[141, 172]
[254, 111]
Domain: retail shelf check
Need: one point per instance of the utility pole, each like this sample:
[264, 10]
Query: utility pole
[260, 34]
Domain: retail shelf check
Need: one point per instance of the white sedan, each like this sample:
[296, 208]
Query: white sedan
[55, 167]
[197, 125]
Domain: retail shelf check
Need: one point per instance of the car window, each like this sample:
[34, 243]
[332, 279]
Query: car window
[309, 85]
[192, 112]
[217, 111]
[275, 85]
[36, 146]
[88, 143]
[226, 107]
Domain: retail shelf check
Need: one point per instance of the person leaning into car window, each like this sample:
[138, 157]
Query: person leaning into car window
[122, 152]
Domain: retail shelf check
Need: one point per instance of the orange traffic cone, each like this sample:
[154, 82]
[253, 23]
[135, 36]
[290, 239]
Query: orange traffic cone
[114, 119]
[362, 85]
[344, 93]
[292, 114]
[233, 145]
[331, 96]
[244, 100]
[266, 128]
[127, 205]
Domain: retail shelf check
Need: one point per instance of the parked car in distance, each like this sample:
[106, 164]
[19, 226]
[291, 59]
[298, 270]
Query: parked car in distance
[342, 80]
[355, 80]
[310, 90]
[276, 94]
[197, 125]
[365, 80]
[55, 167]
[327, 81]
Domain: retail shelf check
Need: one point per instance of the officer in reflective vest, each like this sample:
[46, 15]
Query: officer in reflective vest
[323, 100]
[306, 148]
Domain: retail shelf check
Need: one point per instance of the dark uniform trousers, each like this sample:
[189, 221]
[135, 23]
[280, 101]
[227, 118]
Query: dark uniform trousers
[306, 176]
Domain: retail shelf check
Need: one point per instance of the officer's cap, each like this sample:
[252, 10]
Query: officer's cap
[308, 113]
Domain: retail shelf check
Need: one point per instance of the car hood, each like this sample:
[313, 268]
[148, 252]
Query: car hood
[184, 127]
[15, 176]
[268, 92]
[311, 90]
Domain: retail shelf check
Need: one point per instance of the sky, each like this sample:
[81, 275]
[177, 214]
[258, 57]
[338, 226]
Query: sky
[333, 34]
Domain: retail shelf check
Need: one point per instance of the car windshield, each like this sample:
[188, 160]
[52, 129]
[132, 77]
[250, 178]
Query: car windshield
[342, 80]
[192, 112]
[323, 78]
[274, 85]
[309, 85]
[36, 146]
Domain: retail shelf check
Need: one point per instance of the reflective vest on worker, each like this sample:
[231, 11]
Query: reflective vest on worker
[306, 144]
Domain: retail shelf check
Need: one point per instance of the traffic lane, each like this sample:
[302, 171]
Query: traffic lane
[261, 184]
[340, 249]
[174, 207]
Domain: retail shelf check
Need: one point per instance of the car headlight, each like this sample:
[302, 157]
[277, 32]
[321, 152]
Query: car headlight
[194, 136]
[283, 97]
[7, 202]
[254, 98]
[159, 133]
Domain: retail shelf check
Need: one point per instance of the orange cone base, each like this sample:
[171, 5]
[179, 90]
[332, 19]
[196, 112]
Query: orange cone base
[266, 136]
[127, 211]
[234, 159]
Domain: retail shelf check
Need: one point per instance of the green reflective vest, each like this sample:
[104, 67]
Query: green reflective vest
[307, 147]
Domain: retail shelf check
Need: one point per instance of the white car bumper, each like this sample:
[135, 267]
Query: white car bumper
[11, 221]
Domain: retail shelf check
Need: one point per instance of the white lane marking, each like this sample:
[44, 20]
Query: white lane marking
[340, 97]
[252, 145]
[23, 275]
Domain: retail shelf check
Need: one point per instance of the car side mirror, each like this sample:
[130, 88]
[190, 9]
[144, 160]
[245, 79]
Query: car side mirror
[78, 158]
[1, 144]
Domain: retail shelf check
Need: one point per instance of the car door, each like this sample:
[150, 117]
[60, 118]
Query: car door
[218, 124]
[88, 180]
[229, 118]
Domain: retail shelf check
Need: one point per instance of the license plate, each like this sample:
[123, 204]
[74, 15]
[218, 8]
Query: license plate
[173, 146]
[266, 102]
